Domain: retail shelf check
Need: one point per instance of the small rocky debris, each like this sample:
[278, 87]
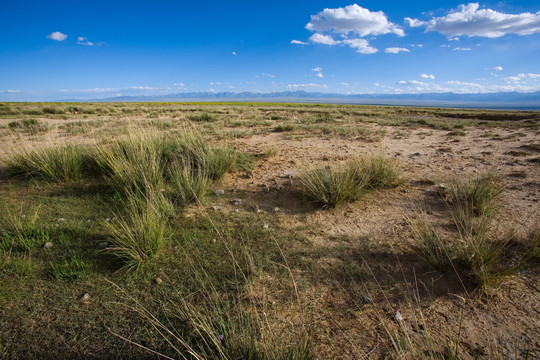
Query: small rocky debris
[215, 207]
[236, 201]
[256, 209]
[398, 317]
[104, 244]
[367, 300]
[219, 192]
[265, 226]
[85, 297]
[158, 281]
[289, 176]
[249, 175]
[276, 187]
[276, 209]
[48, 245]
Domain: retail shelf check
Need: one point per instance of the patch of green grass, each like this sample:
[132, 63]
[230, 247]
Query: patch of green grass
[189, 184]
[22, 232]
[332, 186]
[285, 128]
[204, 117]
[57, 163]
[73, 269]
[30, 126]
[139, 231]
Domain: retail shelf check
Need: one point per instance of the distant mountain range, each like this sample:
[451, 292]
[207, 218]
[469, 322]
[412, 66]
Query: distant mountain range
[513, 100]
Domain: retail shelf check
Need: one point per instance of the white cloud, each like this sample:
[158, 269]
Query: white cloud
[179, 84]
[497, 68]
[317, 69]
[461, 49]
[268, 75]
[415, 22]
[310, 85]
[361, 45]
[319, 75]
[57, 35]
[519, 77]
[417, 45]
[323, 39]
[234, 53]
[469, 20]
[344, 84]
[298, 42]
[84, 41]
[10, 91]
[395, 50]
[426, 76]
[353, 19]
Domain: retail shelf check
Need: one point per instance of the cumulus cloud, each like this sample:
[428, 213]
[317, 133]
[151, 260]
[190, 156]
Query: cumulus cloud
[317, 69]
[522, 76]
[415, 22]
[298, 42]
[395, 50]
[470, 20]
[81, 40]
[234, 53]
[426, 76]
[57, 35]
[323, 39]
[361, 45]
[353, 19]
[319, 75]
[497, 68]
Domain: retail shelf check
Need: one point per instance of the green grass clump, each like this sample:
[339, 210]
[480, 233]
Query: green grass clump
[204, 117]
[348, 182]
[22, 232]
[140, 230]
[475, 248]
[73, 269]
[61, 163]
[30, 126]
[285, 128]
[189, 184]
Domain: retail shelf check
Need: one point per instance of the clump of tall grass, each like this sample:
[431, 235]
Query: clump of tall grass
[475, 247]
[332, 186]
[204, 117]
[22, 232]
[189, 183]
[56, 163]
[31, 126]
[139, 231]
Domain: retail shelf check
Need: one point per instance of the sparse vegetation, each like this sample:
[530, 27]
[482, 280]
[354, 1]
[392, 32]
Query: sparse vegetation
[114, 240]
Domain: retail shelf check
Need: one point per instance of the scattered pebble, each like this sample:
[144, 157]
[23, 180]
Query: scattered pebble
[104, 244]
[216, 208]
[60, 220]
[236, 201]
[219, 192]
[276, 209]
[158, 281]
[48, 245]
[398, 316]
[249, 175]
[289, 176]
[366, 300]
[265, 226]
[85, 297]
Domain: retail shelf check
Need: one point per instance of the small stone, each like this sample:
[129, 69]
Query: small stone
[236, 210]
[236, 201]
[60, 220]
[216, 208]
[398, 316]
[289, 176]
[48, 245]
[249, 175]
[219, 192]
[367, 300]
[276, 209]
[85, 297]
[104, 244]
[265, 226]
[158, 281]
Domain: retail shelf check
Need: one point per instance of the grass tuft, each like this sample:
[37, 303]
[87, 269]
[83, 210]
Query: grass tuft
[73, 269]
[61, 163]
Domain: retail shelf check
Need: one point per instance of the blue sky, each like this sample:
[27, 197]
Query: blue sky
[54, 50]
